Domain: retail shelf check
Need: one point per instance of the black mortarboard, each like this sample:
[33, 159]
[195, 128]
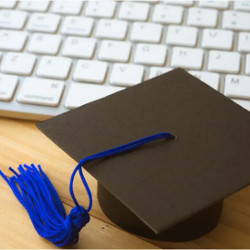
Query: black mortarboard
[167, 190]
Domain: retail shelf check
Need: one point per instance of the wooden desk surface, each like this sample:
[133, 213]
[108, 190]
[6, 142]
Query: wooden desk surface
[21, 142]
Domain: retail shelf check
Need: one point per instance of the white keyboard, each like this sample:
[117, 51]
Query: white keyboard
[56, 56]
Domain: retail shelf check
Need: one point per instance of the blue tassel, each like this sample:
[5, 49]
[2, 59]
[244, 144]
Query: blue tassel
[38, 196]
[36, 193]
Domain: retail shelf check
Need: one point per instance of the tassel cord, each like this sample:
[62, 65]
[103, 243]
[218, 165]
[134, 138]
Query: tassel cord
[108, 153]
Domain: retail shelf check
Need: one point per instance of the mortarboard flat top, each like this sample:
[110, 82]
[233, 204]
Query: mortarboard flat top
[165, 182]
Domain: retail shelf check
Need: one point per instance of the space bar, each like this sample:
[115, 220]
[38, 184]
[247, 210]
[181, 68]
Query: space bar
[82, 93]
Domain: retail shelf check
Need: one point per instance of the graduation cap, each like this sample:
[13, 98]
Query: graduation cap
[166, 190]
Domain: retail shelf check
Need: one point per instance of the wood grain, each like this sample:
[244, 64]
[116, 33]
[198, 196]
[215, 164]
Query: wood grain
[22, 142]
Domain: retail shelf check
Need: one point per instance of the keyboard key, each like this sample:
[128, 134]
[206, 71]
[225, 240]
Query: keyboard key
[8, 86]
[41, 92]
[243, 103]
[126, 74]
[248, 64]
[181, 35]
[202, 17]
[44, 44]
[156, 71]
[151, 1]
[146, 32]
[179, 2]
[236, 20]
[90, 71]
[217, 39]
[80, 26]
[211, 79]
[237, 86]
[82, 93]
[100, 9]
[167, 14]
[7, 4]
[54, 67]
[79, 47]
[43, 22]
[244, 42]
[67, 7]
[134, 11]
[18, 63]
[114, 51]
[224, 62]
[150, 54]
[12, 19]
[39, 6]
[242, 5]
[112, 29]
[222, 5]
[187, 58]
[12, 40]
